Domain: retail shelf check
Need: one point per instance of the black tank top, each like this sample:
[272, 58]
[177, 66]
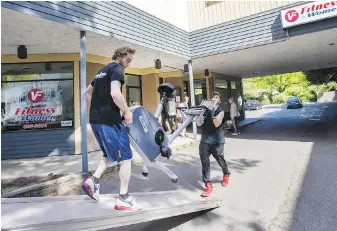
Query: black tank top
[210, 133]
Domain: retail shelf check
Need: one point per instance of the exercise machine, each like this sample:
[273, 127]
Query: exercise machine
[148, 137]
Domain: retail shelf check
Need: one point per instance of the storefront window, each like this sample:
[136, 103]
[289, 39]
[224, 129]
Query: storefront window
[37, 96]
[133, 90]
[200, 90]
[233, 85]
[221, 83]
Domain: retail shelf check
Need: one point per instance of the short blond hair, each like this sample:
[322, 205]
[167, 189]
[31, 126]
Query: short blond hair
[123, 51]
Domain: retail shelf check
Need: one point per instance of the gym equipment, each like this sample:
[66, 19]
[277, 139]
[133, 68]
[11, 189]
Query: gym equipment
[148, 137]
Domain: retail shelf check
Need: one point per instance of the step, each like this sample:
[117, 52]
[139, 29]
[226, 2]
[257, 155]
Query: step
[82, 213]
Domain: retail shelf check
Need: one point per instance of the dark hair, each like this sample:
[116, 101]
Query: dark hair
[216, 93]
[123, 51]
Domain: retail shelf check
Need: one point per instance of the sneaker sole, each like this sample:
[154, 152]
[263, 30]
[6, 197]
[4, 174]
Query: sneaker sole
[118, 207]
[86, 188]
[205, 195]
[122, 208]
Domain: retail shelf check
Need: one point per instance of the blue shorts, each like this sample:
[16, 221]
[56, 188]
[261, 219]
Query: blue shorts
[113, 140]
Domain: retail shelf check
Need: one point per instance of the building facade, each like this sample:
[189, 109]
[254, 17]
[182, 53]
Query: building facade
[40, 93]
[203, 14]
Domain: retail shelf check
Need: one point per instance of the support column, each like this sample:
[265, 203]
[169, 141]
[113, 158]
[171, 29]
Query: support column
[190, 75]
[83, 84]
[150, 95]
[243, 113]
[209, 87]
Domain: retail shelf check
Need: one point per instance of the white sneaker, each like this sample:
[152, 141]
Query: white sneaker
[127, 204]
[235, 134]
[91, 188]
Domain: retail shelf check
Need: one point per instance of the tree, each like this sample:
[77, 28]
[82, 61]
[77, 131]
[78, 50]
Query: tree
[322, 76]
[274, 84]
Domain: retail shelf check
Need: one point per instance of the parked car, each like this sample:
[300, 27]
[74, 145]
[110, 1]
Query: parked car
[294, 102]
[253, 105]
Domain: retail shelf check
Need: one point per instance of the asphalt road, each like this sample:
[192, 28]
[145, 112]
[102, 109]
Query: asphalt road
[283, 176]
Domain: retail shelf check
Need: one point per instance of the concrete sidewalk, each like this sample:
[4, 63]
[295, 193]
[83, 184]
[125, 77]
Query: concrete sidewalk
[72, 163]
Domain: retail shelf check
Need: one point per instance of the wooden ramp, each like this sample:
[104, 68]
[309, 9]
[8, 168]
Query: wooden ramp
[81, 213]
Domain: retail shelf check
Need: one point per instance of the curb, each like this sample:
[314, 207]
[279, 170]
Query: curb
[253, 122]
[58, 186]
[246, 124]
[46, 188]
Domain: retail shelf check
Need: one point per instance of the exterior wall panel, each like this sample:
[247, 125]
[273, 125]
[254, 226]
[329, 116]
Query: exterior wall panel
[245, 32]
[230, 10]
[29, 144]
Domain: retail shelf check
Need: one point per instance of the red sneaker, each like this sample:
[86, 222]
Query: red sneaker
[225, 180]
[208, 190]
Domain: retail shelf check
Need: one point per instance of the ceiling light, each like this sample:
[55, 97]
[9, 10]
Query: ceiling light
[157, 64]
[331, 44]
[22, 52]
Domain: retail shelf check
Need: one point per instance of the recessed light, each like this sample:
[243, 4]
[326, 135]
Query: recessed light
[329, 63]
[331, 44]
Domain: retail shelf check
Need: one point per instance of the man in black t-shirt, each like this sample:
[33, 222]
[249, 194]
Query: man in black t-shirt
[105, 117]
[212, 143]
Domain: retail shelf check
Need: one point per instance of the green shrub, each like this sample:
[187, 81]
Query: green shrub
[279, 98]
[265, 101]
[305, 94]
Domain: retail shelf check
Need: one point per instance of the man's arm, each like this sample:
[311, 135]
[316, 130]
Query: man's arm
[200, 120]
[218, 119]
[118, 97]
[88, 93]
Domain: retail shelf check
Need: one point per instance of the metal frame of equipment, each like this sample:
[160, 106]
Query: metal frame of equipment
[192, 113]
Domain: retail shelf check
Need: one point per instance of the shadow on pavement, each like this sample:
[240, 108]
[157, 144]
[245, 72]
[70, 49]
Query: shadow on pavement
[314, 206]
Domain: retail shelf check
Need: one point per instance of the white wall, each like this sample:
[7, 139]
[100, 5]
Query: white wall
[201, 16]
[330, 96]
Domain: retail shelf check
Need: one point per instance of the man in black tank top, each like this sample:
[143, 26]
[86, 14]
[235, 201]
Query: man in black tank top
[212, 143]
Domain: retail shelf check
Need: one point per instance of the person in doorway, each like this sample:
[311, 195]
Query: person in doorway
[172, 110]
[134, 103]
[235, 115]
[107, 107]
[212, 143]
[181, 116]
[165, 117]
